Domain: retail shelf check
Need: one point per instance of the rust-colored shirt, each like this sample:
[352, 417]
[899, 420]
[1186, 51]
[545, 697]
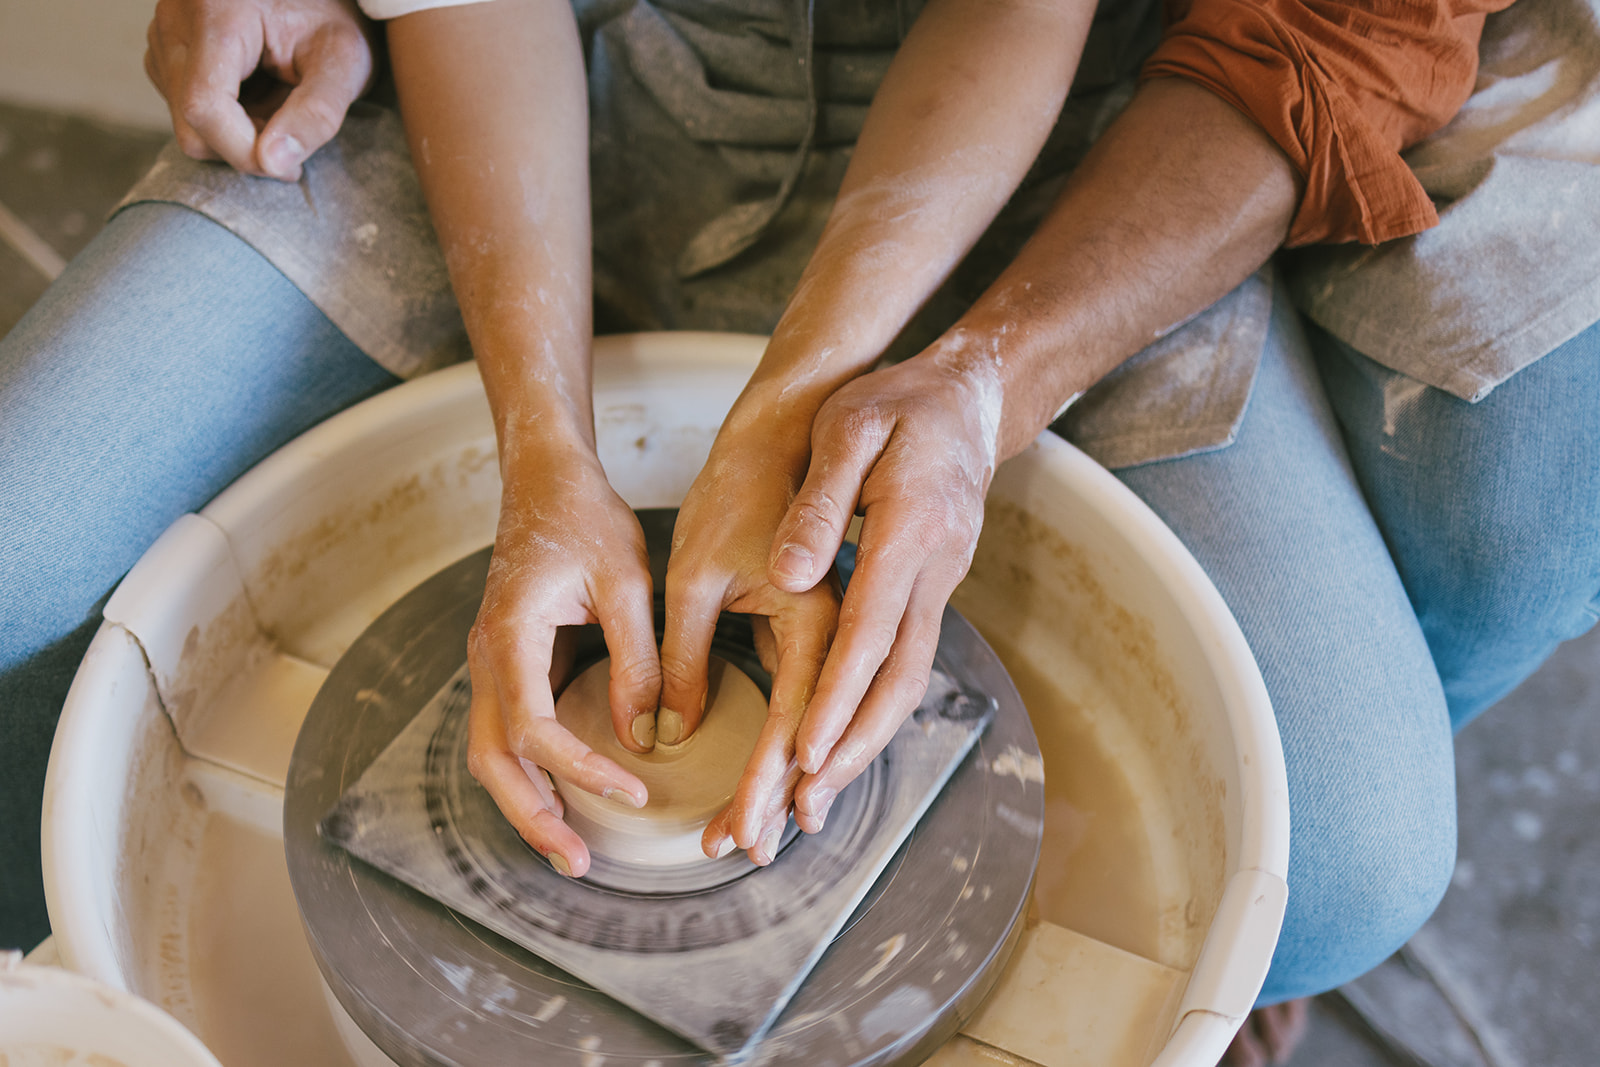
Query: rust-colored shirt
[1342, 87]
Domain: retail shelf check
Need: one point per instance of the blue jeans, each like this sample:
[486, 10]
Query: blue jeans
[1398, 560]
[166, 361]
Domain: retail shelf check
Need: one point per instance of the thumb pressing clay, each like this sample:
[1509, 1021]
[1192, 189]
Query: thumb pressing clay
[688, 783]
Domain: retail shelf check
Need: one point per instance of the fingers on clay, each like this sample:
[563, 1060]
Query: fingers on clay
[526, 806]
[634, 688]
[685, 657]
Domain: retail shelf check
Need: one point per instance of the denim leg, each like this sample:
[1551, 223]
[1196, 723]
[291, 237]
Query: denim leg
[167, 360]
[1278, 522]
[1490, 510]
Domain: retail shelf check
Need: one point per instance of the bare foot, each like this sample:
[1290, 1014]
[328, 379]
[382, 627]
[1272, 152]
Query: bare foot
[1269, 1035]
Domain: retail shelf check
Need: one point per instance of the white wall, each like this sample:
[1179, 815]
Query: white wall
[83, 56]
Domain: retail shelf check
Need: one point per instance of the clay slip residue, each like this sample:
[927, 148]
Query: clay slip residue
[1025, 767]
[889, 949]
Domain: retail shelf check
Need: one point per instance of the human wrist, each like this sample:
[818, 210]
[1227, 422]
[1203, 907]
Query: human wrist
[550, 437]
[1032, 343]
[772, 418]
[997, 384]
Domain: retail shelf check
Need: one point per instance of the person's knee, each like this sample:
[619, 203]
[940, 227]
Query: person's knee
[1492, 622]
[1372, 816]
[1358, 890]
[1491, 510]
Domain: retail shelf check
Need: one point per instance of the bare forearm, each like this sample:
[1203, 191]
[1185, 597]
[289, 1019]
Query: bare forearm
[960, 116]
[495, 107]
[1179, 202]
[494, 100]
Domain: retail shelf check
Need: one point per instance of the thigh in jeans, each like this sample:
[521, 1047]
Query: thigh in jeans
[1279, 523]
[167, 359]
[1491, 510]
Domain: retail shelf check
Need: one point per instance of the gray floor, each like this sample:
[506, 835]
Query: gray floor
[59, 176]
[1506, 972]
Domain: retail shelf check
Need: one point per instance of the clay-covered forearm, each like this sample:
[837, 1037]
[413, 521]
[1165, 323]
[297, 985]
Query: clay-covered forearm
[1180, 201]
[495, 107]
[960, 116]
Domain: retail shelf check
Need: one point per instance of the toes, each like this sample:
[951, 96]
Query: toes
[1282, 1028]
[1246, 1049]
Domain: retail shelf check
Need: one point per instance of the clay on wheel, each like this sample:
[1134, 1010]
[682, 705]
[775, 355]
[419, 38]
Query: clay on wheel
[687, 783]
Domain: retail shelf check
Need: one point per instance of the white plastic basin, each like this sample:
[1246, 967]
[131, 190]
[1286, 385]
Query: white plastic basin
[53, 1018]
[1161, 886]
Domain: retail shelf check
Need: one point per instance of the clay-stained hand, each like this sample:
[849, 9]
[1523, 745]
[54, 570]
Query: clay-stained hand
[261, 84]
[911, 448]
[720, 548]
[568, 552]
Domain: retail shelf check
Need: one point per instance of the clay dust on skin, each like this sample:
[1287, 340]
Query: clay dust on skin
[862, 245]
[978, 365]
[965, 176]
[990, 407]
[805, 376]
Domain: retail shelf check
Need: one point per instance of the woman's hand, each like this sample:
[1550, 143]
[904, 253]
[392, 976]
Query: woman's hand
[261, 84]
[912, 448]
[720, 550]
[568, 551]
[493, 98]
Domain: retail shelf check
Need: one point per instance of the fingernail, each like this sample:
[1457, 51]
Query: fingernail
[724, 847]
[284, 155]
[769, 845]
[621, 796]
[559, 862]
[818, 805]
[644, 729]
[669, 726]
[810, 760]
[794, 561]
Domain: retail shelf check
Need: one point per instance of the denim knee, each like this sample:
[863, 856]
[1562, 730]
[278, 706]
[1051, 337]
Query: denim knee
[1491, 510]
[1495, 620]
[1368, 866]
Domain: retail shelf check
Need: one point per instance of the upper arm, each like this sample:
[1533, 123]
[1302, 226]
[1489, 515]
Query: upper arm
[1342, 86]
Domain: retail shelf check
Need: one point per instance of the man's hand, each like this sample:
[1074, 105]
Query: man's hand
[912, 448]
[568, 552]
[1175, 205]
[719, 559]
[261, 84]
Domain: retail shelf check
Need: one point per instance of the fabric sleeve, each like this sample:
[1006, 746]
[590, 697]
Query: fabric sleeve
[1342, 86]
[393, 9]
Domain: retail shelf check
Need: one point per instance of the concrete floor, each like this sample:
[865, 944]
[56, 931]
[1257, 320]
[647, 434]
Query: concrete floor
[1505, 973]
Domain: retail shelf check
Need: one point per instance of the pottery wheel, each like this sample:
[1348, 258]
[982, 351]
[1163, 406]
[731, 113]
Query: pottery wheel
[430, 985]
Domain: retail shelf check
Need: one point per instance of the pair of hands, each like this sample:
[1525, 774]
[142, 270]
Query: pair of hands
[910, 447]
[262, 84]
